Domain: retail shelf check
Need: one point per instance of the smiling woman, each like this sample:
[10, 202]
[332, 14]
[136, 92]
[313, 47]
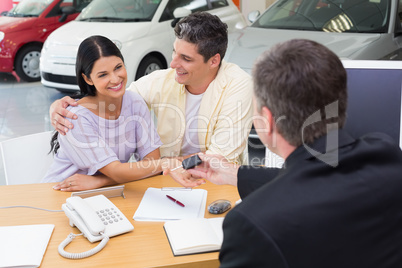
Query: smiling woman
[112, 126]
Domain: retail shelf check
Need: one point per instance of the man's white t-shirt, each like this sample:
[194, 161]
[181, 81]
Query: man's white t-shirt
[191, 143]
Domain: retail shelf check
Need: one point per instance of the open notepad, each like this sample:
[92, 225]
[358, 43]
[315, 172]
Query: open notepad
[24, 245]
[194, 235]
[156, 206]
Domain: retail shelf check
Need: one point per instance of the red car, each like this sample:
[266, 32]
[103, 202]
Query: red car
[25, 28]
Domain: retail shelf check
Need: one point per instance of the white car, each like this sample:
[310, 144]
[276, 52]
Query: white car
[142, 29]
[353, 29]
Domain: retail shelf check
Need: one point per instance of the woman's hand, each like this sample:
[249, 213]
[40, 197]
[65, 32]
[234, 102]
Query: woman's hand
[81, 182]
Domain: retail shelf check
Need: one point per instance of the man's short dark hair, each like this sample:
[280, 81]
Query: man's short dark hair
[206, 31]
[294, 80]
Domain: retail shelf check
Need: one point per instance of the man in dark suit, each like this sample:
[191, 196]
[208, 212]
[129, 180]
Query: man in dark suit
[337, 202]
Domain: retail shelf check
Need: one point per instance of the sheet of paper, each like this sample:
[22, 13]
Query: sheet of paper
[24, 245]
[155, 206]
[217, 224]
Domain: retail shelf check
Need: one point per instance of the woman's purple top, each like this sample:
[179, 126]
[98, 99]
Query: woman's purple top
[94, 142]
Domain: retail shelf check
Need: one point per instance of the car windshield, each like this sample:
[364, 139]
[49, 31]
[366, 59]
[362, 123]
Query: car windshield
[119, 10]
[29, 8]
[363, 16]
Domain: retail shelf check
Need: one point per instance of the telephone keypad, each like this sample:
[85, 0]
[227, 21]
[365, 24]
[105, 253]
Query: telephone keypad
[109, 216]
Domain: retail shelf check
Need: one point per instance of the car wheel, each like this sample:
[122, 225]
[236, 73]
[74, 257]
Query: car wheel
[27, 63]
[148, 65]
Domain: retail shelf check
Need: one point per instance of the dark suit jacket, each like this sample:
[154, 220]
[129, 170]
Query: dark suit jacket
[313, 215]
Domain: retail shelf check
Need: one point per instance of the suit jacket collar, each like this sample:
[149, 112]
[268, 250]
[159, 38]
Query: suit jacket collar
[324, 148]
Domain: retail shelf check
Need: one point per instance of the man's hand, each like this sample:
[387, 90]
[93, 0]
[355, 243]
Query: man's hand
[58, 112]
[80, 182]
[216, 169]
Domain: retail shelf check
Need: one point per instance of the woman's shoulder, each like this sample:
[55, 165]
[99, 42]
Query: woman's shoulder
[79, 109]
[82, 113]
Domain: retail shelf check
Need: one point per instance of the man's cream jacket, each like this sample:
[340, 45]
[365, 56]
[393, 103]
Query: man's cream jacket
[224, 118]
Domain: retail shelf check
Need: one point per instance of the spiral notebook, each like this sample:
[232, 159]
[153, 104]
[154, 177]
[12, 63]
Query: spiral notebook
[157, 206]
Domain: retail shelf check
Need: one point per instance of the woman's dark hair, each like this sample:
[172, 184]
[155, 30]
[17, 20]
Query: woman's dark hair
[90, 50]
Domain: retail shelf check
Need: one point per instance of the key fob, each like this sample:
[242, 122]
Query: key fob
[191, 162]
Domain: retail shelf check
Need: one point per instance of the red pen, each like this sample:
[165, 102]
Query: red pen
[174, 200]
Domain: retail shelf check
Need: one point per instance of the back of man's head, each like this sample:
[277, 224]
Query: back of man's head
[298, 80]
[206, 31]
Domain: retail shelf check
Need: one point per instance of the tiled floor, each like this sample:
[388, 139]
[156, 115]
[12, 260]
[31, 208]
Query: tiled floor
[23, 109]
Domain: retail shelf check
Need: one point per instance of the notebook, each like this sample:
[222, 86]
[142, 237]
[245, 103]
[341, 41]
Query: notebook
[157, 206]
[24, 245]
[192, 236]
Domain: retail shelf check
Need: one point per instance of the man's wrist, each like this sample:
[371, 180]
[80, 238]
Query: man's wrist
[234, 175]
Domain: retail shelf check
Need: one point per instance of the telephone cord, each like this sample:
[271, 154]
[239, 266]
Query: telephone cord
[81, 255]
[49, 210]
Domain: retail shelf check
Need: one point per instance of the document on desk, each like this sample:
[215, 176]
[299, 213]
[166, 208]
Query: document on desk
[171, 204]
[24, 245]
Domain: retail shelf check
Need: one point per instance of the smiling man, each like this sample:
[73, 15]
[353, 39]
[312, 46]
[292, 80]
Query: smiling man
[202, 103]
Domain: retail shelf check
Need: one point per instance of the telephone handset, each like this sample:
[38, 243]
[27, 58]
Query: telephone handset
[97, 218]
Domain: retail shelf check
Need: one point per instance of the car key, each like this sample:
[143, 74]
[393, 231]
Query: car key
[190, 162]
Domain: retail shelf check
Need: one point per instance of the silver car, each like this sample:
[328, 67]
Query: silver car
[353, 29]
